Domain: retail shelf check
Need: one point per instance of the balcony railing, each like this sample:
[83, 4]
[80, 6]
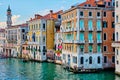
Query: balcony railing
[116, 44]
[99, 41]
[79, 41]
[99, 29]
[90, 41]
[75, 29]
[90, 29]
[68, 41]
[82, 41]
[82, 29]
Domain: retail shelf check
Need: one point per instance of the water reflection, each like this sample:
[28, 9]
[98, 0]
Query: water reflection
[14, 69]
[117, 77]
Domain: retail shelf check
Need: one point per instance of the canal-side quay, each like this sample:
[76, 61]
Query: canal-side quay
[16, 69]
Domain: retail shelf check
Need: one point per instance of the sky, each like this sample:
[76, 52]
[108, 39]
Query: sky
[23, 10]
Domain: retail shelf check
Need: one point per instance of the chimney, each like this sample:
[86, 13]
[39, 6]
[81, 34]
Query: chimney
[51, 12]
[91, 0]
[30, 19]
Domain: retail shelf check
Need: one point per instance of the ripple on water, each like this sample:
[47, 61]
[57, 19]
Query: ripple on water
[15, 69]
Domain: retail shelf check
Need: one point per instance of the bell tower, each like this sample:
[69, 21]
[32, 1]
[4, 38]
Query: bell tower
[9, 15]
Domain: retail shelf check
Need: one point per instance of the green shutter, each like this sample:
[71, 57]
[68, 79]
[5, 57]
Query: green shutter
[98, 24]
[98, 36]
[90, 36]
[81, 23]
[81, 36]
[98, 48]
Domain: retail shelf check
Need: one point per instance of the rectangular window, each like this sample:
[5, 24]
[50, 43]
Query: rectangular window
[43, 39]
[90, 14]
[105, 59]
[109, 3]
[64, 56]
[113, 14]
[117, 51]
[81, 48]
[116, 3]
[113, 59]
[113, 49]
[104, 36]
[117, 19]
[74, 59]
[113, 36]
[117, 62]
[98, 48]
[90, 24]
[104, 24]
[99, 36]
[98, 14]
[104, 14]
[105, 48]
[98, 25]
[44, 26]
[81, 36]
[81, 24]
[90, 48]
[90, 36]
[82, 60]
[81, 13]
[113, 25]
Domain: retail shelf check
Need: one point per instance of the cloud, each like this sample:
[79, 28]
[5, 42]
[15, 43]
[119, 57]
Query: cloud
[44, 12]
[15, 20]
[2, 24]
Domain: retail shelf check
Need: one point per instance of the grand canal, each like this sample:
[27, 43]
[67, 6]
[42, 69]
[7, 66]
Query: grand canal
[15, 69]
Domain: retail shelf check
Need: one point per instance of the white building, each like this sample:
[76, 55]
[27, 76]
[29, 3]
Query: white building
[2, 41]
[37, 38]
[116, 44]
[15, 37]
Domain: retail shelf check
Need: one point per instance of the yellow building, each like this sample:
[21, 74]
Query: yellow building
[41, 36]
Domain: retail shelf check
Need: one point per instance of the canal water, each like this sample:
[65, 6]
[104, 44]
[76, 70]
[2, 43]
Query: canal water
[15, 69]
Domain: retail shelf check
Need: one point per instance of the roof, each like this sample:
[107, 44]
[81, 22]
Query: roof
[94, 3]
[47, 16]
[17, 26]
[52, 15]
[2, 30]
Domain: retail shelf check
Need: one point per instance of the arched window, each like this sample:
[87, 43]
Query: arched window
[82, 60]
[90, 60]
[117, 36]
[33, 37]
[98, 60]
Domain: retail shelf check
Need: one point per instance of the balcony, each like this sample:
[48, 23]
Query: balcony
[90, 29]
[79, 41]
[99, 41]
[82, 29]
[76, 41]
[72, 29]
[33, 42]
[91, 41]
[99, 29]
[82, 41]
[116, 44]
[68, 30]
[68, 41]
[75, 29]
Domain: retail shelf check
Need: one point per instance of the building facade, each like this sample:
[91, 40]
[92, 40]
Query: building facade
[87, 35]
[108, 37]
[116, 44]
[37, 38]
[41, 36]
[15, 37]
[2, 41]
[82, 41]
